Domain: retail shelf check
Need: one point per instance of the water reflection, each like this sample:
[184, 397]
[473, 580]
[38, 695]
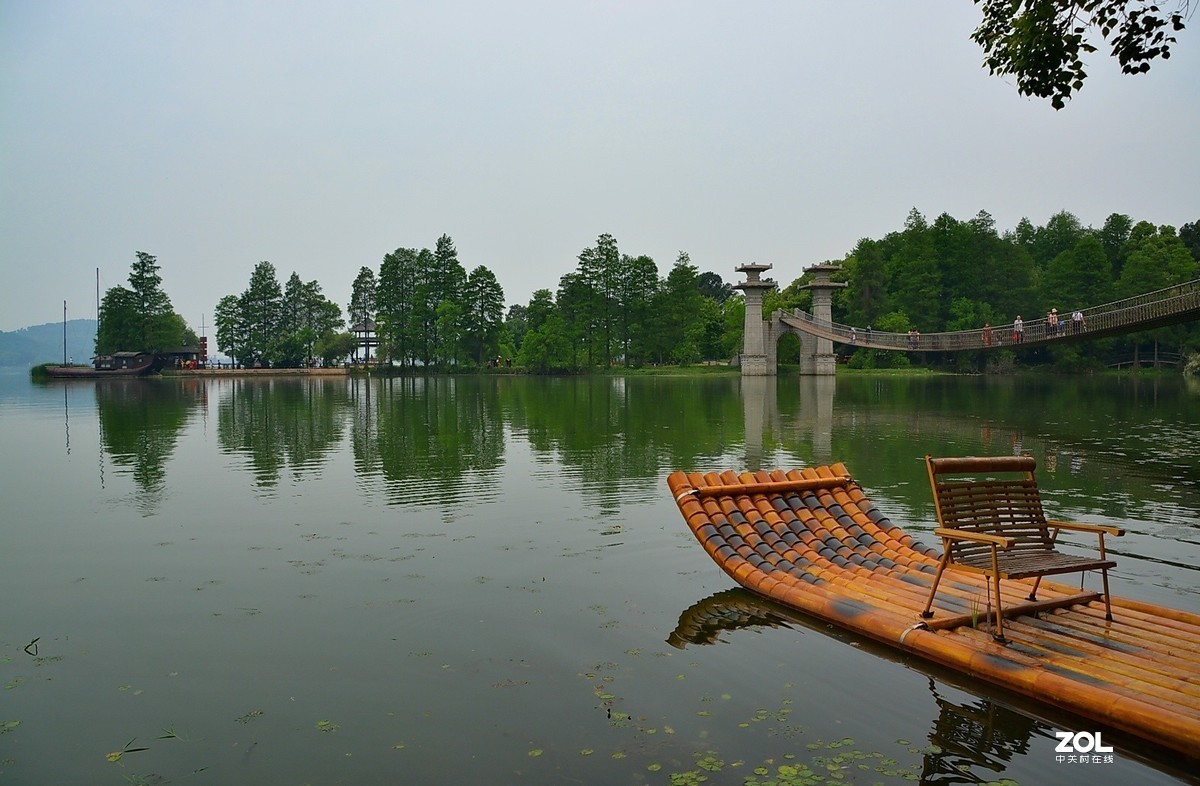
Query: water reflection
[570, 451]
[970, 742]
[1111, 448]
[428, 439]
[140, 424]
[281, 425]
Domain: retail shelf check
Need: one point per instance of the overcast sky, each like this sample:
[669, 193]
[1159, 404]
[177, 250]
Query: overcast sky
[321, 136]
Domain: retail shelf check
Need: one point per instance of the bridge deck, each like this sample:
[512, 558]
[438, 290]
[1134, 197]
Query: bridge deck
[1180, 303]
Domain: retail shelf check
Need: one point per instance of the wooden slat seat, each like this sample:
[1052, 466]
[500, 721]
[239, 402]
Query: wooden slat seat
[991, 521]
[1035, 563]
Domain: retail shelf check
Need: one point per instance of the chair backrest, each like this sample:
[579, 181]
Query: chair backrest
[992, 495]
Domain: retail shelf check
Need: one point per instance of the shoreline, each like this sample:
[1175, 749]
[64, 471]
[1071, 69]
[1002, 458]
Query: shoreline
[254, 372]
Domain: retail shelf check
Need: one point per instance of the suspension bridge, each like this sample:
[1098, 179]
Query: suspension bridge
[817, 333]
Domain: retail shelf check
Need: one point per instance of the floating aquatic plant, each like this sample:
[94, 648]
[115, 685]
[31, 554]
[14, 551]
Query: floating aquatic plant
[249, 716]
[116, 756]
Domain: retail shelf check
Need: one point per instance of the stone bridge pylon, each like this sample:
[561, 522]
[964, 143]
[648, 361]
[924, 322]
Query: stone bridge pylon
[761, 337]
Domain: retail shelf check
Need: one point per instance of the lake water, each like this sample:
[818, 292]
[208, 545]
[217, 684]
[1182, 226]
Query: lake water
[483, 580]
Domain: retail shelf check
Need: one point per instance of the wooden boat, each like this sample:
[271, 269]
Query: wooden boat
[812, 541]
[119, 364]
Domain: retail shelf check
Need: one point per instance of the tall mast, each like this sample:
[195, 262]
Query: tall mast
[64, 332]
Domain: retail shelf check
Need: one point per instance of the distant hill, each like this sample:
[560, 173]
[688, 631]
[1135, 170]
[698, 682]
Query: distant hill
[44, 343]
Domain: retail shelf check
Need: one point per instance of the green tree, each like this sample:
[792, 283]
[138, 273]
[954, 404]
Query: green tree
[516, 322]
[1113, 236]
[436, 275]
[547, 345]
[1061, 233]
[680, 312]
[449, 331]
[573, 306]
[713, 286]
[541, 307]
[958, 258]
[140, 318]
[733, 315]
[600, 274]
[261, 306]
[637, 285]
[1002, 275]
[1156, 259]
[484, 299]
[159, 329]
[866, 293]
[333, 347]
[395, 301]
[119, 327]
[913, 274]
[712, 333]
[289, 347]
[363, 298]
[231, 327]
[1079, 277]
[1189, 234]
[306, 316]
[1042, 42]
[446, 282]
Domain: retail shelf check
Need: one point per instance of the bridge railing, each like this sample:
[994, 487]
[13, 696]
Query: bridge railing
[1147, 308]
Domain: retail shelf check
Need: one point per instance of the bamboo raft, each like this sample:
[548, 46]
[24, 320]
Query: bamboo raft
[811, 540]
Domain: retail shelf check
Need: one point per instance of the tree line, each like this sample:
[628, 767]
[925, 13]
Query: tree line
[615, 308]
[270, 325]
[958, 275]
[427, 312]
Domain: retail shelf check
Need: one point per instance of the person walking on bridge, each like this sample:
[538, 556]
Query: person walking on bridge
[1018, 330]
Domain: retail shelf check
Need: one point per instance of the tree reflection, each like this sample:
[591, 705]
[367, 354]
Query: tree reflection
[428, 435]
[140, 421]
[446, 437]
[432, 437]
[613, 429]
[282, 424]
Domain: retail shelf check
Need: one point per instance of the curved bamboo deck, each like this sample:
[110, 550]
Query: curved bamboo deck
[811, 540]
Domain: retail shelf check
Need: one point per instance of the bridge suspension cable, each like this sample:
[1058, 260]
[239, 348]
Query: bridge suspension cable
[1171, 305]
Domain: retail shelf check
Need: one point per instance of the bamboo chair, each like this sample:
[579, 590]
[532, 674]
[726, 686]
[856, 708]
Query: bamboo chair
[996, 526]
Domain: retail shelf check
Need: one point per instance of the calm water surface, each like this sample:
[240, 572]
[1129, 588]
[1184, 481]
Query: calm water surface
[483, 580]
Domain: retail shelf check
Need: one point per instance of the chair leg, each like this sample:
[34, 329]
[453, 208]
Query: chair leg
[926, 614]
[1107, 602]
[1033, 592]
[999, 635]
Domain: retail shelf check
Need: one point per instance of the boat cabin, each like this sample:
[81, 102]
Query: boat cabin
[181, 357]
[121, 360]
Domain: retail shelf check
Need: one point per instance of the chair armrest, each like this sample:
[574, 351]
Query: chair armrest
[978, 537]
[1072, 526]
